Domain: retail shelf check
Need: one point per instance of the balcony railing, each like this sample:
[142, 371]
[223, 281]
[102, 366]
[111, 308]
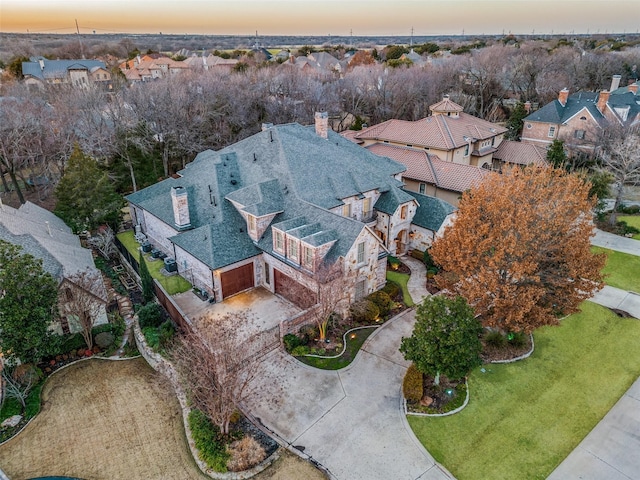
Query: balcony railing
[369, 216]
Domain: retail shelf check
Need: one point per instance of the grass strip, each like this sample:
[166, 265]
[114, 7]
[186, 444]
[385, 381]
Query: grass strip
[401, 279]
[621, 270]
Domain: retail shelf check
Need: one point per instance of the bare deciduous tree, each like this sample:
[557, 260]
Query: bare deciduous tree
[214, 370]
[83, 297]
[103, 241]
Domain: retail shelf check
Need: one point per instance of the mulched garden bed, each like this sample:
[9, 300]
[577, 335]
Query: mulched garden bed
[491, 353]
[431, 286]
[442, 398]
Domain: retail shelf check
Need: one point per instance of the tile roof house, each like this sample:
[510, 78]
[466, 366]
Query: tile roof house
[39, 71]
[45, 236]
[271, 209]
[444, 152]
[143, 69]
[317, 62]
[578, 119]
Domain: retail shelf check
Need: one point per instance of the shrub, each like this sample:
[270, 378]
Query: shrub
[291, 341]
[208, 441]
[104, 339]
[412, 386]
[629, 210]
[118, 325]
[308, 333]
[150, 315]
[382, 300]
[391, 288]
[165, 333]
[625, 229]
[300, 351]
[364, 311]
[245, 453]
[151, 337]
[518, 339]
[417, 254]
[393, 262]
[495, 339]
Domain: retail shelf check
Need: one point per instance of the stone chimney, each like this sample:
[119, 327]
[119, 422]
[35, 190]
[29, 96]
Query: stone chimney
[180, 203]
[527, 107]
[41, 63]
[615, 82]
[563, 96]
[633, 88]
[603, 98]
[322, 124]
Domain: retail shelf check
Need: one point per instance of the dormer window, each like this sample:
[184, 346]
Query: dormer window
[346, 210]
[293, 250]
[278, 241]
[466, 150]
[307, 257]
[251, 220]
[403, 212]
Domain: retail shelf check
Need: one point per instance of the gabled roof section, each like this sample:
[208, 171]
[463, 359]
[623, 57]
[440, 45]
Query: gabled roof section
[555, 113]
[431, 212]
[437, 131]
[520, 153]
[264, 198]
[390, 201]
[42, 68]
[424, 167]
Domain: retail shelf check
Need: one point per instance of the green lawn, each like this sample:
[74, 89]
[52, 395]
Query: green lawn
[632, 221]
[621, 270]
[172, 285]
[401, 279]
[524, 418]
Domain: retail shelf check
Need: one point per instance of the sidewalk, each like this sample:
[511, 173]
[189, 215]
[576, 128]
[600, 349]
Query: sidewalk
[417, 284]
[611, 451]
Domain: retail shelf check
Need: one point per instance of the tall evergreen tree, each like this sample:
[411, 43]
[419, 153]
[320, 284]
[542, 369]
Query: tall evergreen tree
[145, 278]
[515, 122]
[86, 197]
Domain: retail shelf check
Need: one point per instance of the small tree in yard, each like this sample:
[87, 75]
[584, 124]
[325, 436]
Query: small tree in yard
[146, 280]
[83, 297]
[519, 250]
[215, 370]
[445, 339]
[28, 300]
[18, 382]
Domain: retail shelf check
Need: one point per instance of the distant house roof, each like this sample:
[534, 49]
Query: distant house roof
[520, 153]
[555, 112]
[45, 236]
[424, 167]
[431, 212]
[437, 131]
[43, 69]
[286, 170]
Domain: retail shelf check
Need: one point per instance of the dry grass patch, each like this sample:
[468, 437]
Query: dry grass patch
[104, 420]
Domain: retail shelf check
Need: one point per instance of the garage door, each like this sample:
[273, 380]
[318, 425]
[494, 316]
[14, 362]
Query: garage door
[237, 280]
[293, 291]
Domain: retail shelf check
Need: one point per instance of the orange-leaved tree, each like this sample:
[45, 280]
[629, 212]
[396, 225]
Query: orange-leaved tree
[519, 249]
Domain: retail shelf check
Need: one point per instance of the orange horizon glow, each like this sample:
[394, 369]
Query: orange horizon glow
[320, 18]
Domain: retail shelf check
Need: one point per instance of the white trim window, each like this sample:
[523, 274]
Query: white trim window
[293, 250]
[360, 253]
[552, 131]
[307, 256]
[251, 220]
[278, 241]
[361, 289]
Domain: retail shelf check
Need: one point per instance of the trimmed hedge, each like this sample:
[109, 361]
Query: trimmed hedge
[364, 311]
[413, 386]
[150, 315]
[382, 300]
[391, 288]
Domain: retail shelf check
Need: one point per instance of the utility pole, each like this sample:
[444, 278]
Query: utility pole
[79, 39]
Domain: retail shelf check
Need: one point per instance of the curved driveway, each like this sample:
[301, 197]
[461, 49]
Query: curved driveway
[350, 421]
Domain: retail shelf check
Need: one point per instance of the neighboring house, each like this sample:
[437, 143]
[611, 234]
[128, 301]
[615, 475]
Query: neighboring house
[151, 67]
[275, 209]
[518, 153]
[318, 62]
[579, 119]
[210, 62]
[40, 71]
[415, 58]
[444, 153]
[43, 235]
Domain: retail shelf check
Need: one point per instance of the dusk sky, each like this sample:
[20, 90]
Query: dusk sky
[326, 17]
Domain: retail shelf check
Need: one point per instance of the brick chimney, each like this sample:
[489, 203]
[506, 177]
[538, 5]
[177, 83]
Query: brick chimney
[603, 98]
[563, 96]
[322, 124]
[634, 88]
[180, 203]
[527, 107]
[615, 82]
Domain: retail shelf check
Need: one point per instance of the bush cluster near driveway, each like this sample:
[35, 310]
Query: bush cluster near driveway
[524, 418]
[632, 221]
[621, 270]
[174, 284]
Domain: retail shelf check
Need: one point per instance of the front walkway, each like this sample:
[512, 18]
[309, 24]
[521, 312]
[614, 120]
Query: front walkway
[616, 242]
[417, 284]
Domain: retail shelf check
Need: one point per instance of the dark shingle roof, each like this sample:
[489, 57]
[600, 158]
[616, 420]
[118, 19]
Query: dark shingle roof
[390, 201]
[56, 68]
[431, 212]
[555, 112]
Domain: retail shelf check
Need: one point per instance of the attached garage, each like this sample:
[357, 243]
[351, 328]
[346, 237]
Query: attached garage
[293, 291]
[237, 280]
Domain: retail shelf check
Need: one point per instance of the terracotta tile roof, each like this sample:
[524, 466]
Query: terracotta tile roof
[446, 105]
[521, 153]
[437, 131]
[428, 168]
[350, 135]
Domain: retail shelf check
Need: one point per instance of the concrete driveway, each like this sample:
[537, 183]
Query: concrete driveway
[350, 421]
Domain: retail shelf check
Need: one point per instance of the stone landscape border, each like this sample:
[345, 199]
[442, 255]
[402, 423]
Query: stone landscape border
[521, 357]
[163, 366]
[344, 342]
[446, 414]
